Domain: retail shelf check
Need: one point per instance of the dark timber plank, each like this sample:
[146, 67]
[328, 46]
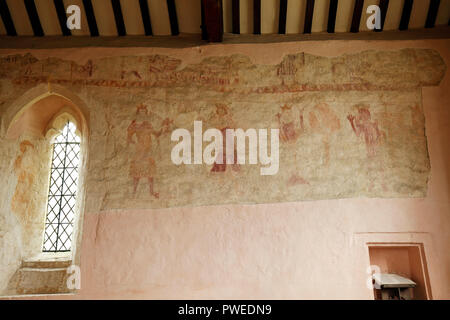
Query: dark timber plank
[7, 20]
[192, 40]
[256, 16]
[213, 13]
[308, 16]
[384, 5]
[203, 26]
[118, 17]
[62, 17]
[146, 17]
[406, 14]
[173, 17]
[432, 13]
[236, 17]
[332, 16]
[356, 19]
[34, 18]
[90, 16]
[282, 17]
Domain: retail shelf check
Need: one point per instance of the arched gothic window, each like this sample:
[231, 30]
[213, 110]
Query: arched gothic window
[63, 186]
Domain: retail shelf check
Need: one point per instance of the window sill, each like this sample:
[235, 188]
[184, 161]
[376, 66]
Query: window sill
[49, 260]
[37, 295]
[44, 274]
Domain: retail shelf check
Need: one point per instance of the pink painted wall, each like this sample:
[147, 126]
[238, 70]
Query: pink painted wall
[304, 250]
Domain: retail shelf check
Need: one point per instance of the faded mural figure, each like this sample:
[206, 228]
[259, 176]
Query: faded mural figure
[159, 64]
[142, 163]
[111, 142]
[224, 117]
[362, 124]
[124, 74]
[287, 69]
[290, 126]
[324, 122]
[23, 166]
[84, 71]
[321, 120]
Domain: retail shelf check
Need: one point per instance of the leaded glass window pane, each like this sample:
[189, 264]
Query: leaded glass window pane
[62, 191]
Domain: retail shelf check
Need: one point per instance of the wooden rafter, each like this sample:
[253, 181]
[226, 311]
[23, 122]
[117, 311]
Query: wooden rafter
[309, 13]
[90, 16]
[406, 15]
[432, 13]
[332, 16]
[118, 17]
[384, 5]
[145, 13]
[256, 16]
[7, 20]
[34, 18]
[356, 19]
[282, 17]
[235, 9]
[213, 21]
[62, 17]
[173, 17]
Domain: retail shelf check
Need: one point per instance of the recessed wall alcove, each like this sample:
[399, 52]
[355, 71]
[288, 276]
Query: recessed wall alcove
[405, 259]
[30, 126]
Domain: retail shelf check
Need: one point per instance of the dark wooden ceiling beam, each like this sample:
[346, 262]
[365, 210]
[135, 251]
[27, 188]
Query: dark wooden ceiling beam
[356, 19]
[432, 13]
[309, 13]
[332, 16]
[213, 18]
[7, 20]
[173, 17]
[62, 17]
[194, 41]
[406, 15]
[30, 6]
[282, 17]
[383, 5]
[118, 17]
[256, 16]
[90, 16]
[203, 26]
[145, 13]
[235, 9]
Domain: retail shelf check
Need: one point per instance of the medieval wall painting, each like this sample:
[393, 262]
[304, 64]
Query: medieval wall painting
[142, 163]
[349, 126]
[23, 167]
[30, 188]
